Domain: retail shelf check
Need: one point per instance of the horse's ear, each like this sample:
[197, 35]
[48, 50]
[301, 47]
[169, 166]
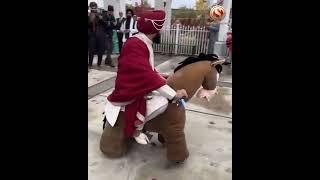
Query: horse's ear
[219, 61]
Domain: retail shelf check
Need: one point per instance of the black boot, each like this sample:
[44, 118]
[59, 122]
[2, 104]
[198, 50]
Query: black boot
[109, 62]
[99, 59]
[90, 59]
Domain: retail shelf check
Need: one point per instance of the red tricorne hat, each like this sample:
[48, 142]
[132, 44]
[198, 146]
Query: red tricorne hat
[151, 22]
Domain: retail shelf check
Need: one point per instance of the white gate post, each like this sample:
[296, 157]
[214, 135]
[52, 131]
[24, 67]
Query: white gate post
[177, 39]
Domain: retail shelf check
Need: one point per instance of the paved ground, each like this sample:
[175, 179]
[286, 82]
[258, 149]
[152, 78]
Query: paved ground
[208, 131]
[96, 76]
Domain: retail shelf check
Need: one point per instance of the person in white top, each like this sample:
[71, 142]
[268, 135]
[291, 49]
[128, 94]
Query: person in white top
[120, 22]
[129, 26]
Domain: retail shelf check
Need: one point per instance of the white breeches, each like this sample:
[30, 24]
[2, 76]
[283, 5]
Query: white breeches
[155, 106]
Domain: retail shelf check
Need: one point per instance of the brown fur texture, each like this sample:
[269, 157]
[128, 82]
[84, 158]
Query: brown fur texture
[169, 124]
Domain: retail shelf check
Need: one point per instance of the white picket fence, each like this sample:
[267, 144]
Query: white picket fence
[183, 40]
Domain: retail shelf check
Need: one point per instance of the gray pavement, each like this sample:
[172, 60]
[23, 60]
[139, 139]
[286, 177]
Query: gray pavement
[208, 134]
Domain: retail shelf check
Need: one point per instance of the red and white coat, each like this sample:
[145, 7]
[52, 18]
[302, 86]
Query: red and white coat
[136, 78]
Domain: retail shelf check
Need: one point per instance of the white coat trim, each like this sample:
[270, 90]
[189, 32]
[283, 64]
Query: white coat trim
[167, 91]
[121, 103]
[148, 42]
[140, 117]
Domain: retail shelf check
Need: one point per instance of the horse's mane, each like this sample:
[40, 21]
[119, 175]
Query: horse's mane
[201, 57]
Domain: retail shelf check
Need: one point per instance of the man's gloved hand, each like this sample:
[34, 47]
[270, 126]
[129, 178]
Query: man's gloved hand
[181, 93]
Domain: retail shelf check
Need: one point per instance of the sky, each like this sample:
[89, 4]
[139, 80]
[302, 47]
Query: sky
[175, 3]
[179, 3]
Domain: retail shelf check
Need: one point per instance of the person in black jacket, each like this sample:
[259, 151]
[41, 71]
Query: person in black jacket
[96, 34]
[110, 22]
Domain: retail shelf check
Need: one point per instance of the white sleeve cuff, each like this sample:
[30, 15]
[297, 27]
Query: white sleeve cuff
[164, 74]
[167, 92]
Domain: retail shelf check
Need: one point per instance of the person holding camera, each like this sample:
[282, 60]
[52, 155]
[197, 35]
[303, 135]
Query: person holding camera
[110, 22]
[96, 34]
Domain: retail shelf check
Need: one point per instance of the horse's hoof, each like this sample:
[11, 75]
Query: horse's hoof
[161, 139]
[114, 150]
[113, 144]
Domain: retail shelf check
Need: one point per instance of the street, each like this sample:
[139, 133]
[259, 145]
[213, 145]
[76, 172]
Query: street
[208, 134]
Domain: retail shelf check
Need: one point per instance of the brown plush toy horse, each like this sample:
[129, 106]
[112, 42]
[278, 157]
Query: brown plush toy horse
[189, 75]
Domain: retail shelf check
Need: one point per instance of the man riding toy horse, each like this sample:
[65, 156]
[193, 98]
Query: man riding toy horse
[143, 100]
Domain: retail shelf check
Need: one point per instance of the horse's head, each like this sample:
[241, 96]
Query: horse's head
[210, 81]
[208, 71]
[212, 77]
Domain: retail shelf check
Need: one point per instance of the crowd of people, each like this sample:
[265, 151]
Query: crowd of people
[107, 34]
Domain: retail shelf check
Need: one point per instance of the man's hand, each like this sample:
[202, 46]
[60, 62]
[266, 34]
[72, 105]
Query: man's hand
[181, 93]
